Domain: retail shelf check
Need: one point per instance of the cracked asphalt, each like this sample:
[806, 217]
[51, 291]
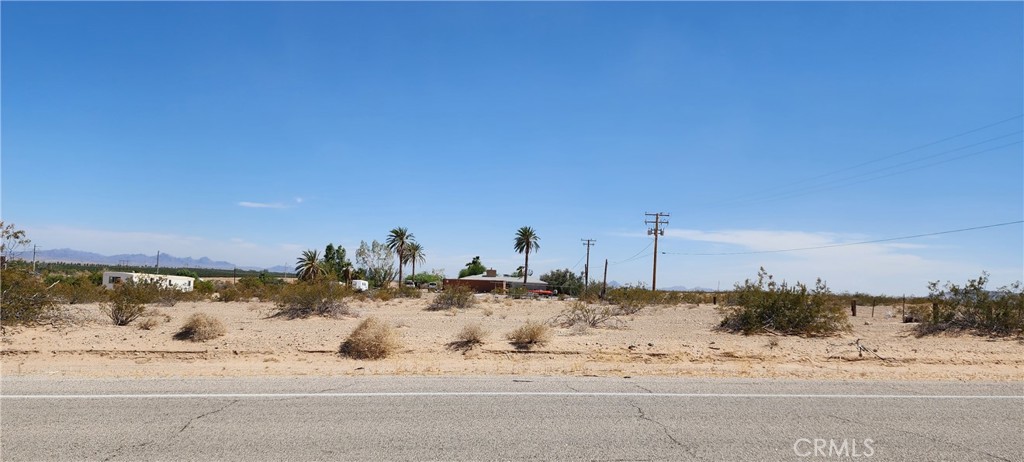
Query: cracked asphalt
[505, 418]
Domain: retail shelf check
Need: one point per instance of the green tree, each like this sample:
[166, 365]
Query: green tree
[473, 268]
[416, 254]
[527, 240]
[336, 262]
[398, 241]
[308, 267]
[564, 280]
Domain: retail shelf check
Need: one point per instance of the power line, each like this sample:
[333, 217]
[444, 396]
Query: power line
[790, 184]
[850, 243]
[845, 181]
[636, 255]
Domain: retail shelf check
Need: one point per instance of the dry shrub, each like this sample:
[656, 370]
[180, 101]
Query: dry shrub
[149, 323]
[128, 301]
[470, 336]
[582, 313]
[452, 298]
[529, 335]
[201, 327]
[371, 339]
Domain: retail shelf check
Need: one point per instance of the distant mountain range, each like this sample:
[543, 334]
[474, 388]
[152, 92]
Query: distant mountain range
[138, 259]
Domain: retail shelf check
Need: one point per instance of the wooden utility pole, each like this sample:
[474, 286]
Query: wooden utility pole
[656, 231]
[586, 268]
[33, 259]
[604, 283]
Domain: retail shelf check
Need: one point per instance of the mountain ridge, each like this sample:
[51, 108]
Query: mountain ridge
[67, 255]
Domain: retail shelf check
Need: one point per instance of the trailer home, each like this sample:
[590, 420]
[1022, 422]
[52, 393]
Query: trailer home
[182, 283]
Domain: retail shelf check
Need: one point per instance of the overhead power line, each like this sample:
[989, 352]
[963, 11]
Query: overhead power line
[636, 255]
[850, 243]
[801, 183]
[852, 180]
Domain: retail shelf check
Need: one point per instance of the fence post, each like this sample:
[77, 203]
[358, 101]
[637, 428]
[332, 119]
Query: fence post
[853, 307]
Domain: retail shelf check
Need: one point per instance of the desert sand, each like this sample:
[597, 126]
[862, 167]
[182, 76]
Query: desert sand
[659, 341]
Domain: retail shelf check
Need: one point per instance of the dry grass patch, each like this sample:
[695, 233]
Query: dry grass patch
[371, 339]
[580, 313]
[529, 335]
[201, 327]
[470, 336]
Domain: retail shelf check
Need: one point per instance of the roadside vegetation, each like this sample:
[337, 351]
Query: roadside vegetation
[456, 297]
[201, 327]
[973, 307]
[371, 339]
[765, 305]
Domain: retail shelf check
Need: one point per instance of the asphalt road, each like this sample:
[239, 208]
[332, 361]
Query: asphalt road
[507, 418]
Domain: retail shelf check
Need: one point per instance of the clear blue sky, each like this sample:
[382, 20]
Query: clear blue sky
[249, 132]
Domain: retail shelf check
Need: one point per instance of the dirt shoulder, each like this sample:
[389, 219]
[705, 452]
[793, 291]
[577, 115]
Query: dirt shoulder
[659, 341]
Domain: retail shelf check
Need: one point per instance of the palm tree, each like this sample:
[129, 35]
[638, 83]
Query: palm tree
[308, 266]
[398, 240]
[527, 240]
[414, 252]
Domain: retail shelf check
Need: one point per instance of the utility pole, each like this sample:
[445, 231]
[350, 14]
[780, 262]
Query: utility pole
[656, 231]
[157, 262]
[586, 269]
[33, 259]
[604, 283]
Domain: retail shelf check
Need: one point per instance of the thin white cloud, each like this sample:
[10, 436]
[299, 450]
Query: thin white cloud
[262, 205]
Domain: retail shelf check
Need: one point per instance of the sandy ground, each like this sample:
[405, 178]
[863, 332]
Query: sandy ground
[659, 341]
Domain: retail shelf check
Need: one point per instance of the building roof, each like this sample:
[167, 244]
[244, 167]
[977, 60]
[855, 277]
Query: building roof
[508, 279]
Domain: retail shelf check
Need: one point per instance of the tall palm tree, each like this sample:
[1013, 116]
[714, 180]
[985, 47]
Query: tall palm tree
[398, 240]
[415, 253]
[309, 267]
[527, 240]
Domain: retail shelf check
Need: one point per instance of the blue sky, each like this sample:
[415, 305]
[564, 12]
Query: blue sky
[249, 132]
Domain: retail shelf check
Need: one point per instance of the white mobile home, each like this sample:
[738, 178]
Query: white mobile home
[182, 283]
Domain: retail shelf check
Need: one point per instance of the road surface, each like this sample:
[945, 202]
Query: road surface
[507, 418]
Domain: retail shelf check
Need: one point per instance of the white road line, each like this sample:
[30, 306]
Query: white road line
[500, 393]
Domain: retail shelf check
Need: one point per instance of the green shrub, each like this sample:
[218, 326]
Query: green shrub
[766, 305]
[409, 292]
[229, 293]
[128, 301]
[203, 288]
[973, 307]
[529, 335]
[453, 297]
[517, 292]
[75, 288]
[201, 327]
[24, 298]
[317, 297]
[371, 339]
[631, 300]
